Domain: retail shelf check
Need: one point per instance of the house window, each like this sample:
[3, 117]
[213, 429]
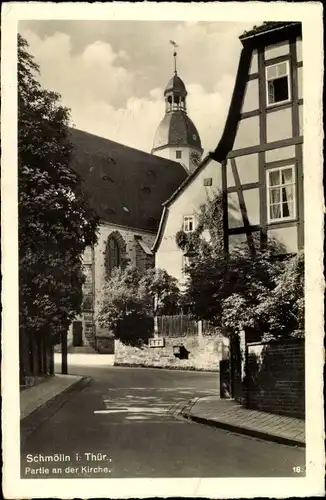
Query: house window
[281, 194]
[208, 181]
[188, 224]
[178, 154]
[278, 83]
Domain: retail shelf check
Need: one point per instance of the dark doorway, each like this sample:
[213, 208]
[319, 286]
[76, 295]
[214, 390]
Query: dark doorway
[77, 334]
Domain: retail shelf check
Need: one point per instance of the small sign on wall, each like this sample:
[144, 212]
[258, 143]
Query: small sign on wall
[156, 342]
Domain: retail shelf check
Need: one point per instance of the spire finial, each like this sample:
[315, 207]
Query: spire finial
[174, 55]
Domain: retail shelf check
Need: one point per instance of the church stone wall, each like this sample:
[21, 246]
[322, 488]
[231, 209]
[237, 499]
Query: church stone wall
[128, 235]
[136, 257]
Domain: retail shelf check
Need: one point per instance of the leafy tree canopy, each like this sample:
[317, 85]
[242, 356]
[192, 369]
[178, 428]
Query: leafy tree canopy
[131, 298]
[281, 312]
[55, 221]
[238, 291]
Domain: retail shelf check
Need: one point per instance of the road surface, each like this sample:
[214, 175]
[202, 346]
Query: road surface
[120, 426]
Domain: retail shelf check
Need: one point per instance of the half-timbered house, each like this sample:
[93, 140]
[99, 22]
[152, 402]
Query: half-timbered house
[261, 146]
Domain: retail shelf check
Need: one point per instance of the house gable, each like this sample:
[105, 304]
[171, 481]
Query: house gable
[263, 134]
[185, 203]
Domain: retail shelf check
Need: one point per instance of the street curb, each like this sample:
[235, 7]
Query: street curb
[32, 421]
[174, 368]
[242, 430]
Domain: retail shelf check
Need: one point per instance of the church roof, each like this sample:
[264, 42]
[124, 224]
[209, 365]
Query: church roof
[175, 84]
[125, 186]
[176, 129]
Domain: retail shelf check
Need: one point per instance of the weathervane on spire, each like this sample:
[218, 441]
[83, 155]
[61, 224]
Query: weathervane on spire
[174, 55]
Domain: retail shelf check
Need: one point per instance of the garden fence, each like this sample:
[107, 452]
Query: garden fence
[182, 325]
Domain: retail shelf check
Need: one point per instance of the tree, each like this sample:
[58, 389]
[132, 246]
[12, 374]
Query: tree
[206, 269]
[161, 291]
[281, 312]
[247, 282]
[207, 239]
[55, 222]
[226, 289]
[131, 298]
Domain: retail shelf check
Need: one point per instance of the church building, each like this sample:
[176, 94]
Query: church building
[127, 189]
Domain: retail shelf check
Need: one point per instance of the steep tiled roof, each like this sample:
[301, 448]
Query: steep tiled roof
[124, 185]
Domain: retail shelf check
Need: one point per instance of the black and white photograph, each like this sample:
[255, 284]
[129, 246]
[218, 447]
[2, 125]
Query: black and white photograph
[162, 250]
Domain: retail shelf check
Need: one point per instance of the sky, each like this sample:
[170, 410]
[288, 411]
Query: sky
[112, 74]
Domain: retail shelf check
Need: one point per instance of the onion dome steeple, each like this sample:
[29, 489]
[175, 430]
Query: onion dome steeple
[177, 136]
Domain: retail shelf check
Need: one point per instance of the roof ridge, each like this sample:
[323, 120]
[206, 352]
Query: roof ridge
[265, 27]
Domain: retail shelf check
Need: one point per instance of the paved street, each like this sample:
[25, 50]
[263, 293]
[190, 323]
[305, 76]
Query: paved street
[120, 426]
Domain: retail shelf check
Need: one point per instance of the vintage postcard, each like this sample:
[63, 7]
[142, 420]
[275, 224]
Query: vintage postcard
[162, 224]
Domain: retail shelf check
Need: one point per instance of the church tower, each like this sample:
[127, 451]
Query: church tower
[177, 137]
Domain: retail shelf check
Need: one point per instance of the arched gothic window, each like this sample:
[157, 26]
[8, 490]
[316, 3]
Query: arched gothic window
[115, 252]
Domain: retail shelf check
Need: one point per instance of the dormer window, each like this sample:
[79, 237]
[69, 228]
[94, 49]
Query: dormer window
[278, 83]
[188, 223]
